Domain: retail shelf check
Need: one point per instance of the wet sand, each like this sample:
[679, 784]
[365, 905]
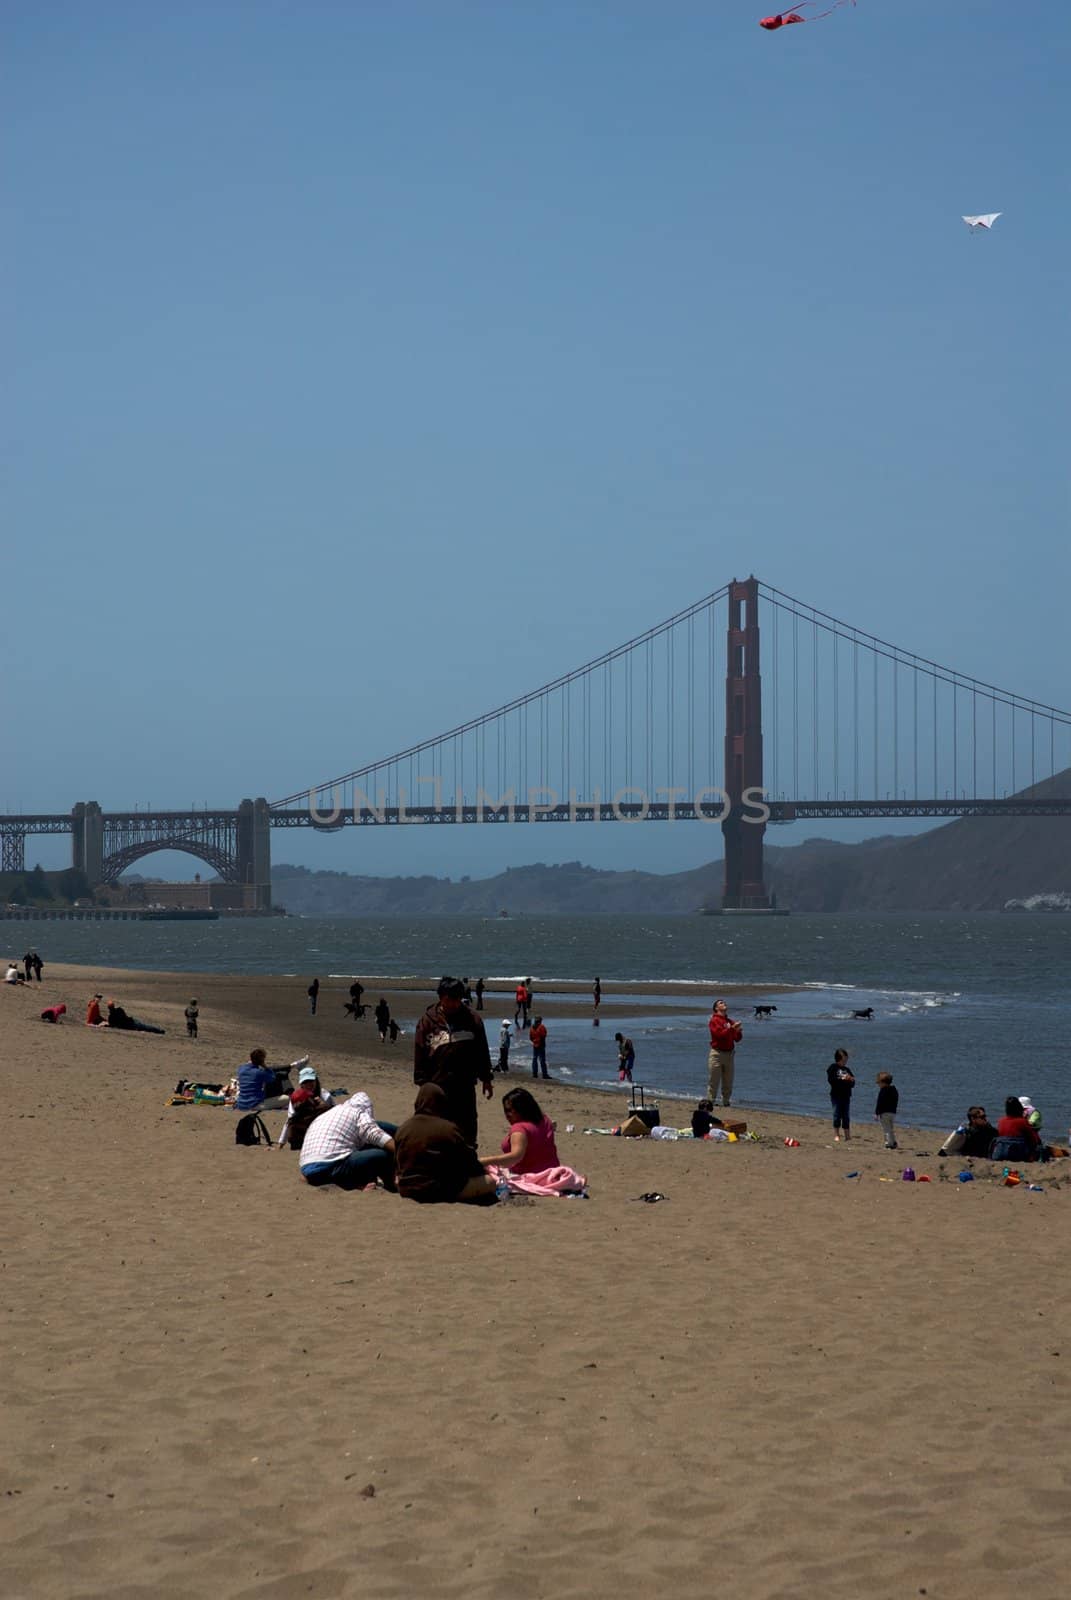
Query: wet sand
[779, 1382]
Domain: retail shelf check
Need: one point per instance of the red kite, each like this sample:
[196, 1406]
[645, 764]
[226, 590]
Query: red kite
[782, 19]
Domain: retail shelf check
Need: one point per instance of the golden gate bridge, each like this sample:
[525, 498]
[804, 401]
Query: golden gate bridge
[745, 710]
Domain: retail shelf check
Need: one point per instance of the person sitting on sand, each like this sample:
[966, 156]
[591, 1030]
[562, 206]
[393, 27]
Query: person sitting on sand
[973, 1137]
[260, 1087]
[703, 1119]
[434, 1163]
[13, 975]
[346, 1146]
[94, 1015]
[118, 1018]
[53, 1013]
[306, 1103]
[1016, 1140]
[529, 1145]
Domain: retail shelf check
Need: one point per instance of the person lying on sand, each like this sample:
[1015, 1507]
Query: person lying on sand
[53, 1013]
[118, 1018]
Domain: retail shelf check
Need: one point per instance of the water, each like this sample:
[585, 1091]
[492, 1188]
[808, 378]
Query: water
[967, 1007]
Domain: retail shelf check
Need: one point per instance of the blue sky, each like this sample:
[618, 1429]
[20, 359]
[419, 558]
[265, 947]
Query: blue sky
[371, 363]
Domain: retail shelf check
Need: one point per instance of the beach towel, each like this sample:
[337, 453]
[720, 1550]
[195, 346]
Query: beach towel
[555, 1181]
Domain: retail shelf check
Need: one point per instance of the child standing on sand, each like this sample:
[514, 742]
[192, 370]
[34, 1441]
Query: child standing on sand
[841, 1081]
[885, 1110]
[192, 1015]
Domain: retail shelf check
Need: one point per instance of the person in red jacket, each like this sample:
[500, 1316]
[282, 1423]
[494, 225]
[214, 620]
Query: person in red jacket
[537, 1033]
[725, 1035]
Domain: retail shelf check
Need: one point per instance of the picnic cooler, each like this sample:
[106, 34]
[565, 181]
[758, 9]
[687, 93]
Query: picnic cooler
[639, 1108]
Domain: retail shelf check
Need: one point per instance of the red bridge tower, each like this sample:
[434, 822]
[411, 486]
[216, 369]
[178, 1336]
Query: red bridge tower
[744, 826]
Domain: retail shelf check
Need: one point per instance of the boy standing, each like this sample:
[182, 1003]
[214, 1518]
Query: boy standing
[885, 1110]
[192, 1014]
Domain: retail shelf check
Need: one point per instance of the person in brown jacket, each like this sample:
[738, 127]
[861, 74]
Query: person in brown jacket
[450, 1049]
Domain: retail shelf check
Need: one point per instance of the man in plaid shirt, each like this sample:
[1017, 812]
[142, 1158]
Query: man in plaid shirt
[348, 1147]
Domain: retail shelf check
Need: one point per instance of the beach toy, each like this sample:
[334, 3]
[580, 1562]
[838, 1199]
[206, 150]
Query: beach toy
[965, 1177]
[908, 1174]
[923, 1178]
[733, 1138]
[1011, 1179]
[793, 1144]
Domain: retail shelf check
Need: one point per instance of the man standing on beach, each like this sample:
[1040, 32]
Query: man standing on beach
[725, 1035]
[313, 992]
[537, 1033]
[450, 1049]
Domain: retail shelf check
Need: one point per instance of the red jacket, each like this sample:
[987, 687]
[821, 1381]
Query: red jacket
[538, 1035]
[724, 1032]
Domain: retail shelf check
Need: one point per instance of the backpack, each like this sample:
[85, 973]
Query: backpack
[252, 1129]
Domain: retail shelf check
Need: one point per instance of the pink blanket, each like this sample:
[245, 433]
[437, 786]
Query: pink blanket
[555, 1181]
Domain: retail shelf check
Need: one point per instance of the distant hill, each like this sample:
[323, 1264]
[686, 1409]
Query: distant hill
[974, 864]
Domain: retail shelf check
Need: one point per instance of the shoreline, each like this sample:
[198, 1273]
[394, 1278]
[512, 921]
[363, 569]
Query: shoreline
[275, 1008]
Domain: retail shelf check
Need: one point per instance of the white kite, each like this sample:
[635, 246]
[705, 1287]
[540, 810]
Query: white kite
[978, 224]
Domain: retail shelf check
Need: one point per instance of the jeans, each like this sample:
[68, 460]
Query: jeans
[842, 1111]
[356, 1169]
[539, 1060]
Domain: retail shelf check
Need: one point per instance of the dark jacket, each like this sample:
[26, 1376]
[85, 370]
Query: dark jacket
[432, 1161]
[452, 1049]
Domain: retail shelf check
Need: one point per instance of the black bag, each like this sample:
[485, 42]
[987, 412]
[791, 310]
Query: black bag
[252, 1129]
[649, 1114]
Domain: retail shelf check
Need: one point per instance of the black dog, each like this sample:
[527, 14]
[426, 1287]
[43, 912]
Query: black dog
[864, 1016]
[765, 1011]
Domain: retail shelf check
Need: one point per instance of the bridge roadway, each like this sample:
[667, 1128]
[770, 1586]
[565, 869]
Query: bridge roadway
[171, 823]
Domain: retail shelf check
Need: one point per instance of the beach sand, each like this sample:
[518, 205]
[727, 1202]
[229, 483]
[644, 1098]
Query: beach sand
[776, 1383]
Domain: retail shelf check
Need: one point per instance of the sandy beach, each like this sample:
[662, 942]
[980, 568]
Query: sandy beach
[779, 1382]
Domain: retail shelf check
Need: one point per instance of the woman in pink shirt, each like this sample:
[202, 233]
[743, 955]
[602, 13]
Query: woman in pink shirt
[529, 1145]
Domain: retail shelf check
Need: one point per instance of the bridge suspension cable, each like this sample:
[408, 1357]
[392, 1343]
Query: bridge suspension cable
[925, 732]
[620, 721]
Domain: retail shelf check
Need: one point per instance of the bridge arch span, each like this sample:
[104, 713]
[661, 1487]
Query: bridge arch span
[219, 860]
